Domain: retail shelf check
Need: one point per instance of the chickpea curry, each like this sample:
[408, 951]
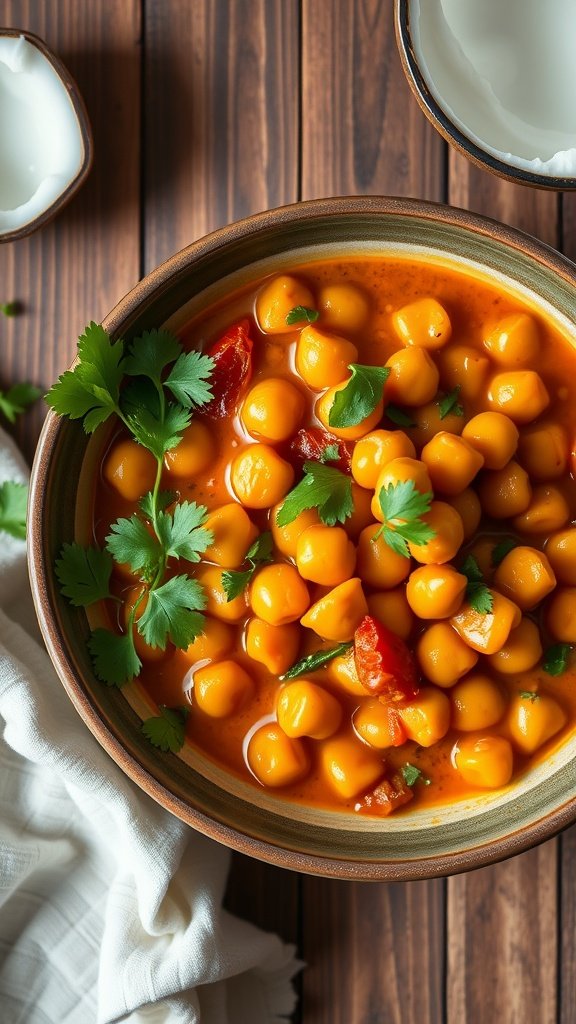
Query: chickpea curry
[336, 532]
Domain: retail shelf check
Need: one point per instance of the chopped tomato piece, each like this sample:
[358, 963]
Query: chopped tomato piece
[385, 665]
[232, 356]
[388, 796]
[312, 443]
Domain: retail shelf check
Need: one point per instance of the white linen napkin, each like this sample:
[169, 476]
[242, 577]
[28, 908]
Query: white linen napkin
[110, 907]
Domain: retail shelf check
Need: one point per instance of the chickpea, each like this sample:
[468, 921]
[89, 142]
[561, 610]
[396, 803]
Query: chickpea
[477, 703]
[286, 537]
[428, 422]
[413, 377]
[533, 721]
[494, 435]
[467, 505]
[130, 469]
[362, 514]
[275, 647]
[259, 477]
[514, 341]
[276, 299]
[378, 564]
[485, 761]
[272, 410]
[426, 718]
[448, 530]
[378, 724]
[348, 767]
[222, 688]
[323, 359]
[451, 461]
[278, 594]
[423, 322]
[217, 603]
[233, 532]
[521, 652]
[215, 640]
[435, 591]
[342, 672]
[196, 451]
[520, 394]
[305, 709]
[343, 307]
[374, 451]
[275, 759]
[144, 650]
[548, 510]
[561, 615]
[525, 576]
[399, 471]
[443, 656]
[337, 615]
[544, 451]
[483, 550]
[505, 492]
[392, 609]
[487, 632]
[325, 555]
[465, 368]
[561, 553]
[324, 406]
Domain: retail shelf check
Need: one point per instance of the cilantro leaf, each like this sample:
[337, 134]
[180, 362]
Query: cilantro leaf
[189, 379]
[84, 574]
[10, 308]
[13, 502]
[556, 659]
[101, 359]
[330, 453]
[314, 661]
[173, 612]
[91, 390]
[181, 532]
[168, 729]
[131, 543]
[163, 500]
[302, 314]
[235, 581]
[412, 775]
[450, 403]
[478, 594]
[321, 487]
[530, 695]
[398, 416]
[156, 433]
[17, 399]
[360, 397]
[502, 549]
[402, 508]
[114, 657]
[150, 353]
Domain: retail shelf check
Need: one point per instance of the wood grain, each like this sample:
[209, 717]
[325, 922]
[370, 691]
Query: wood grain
[567, 929]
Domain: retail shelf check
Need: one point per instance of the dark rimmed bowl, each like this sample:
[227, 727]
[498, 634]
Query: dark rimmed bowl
[436, 841]
[85, 134]
[446, 126]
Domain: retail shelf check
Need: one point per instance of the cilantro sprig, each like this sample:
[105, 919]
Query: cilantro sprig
[302, 314]
[398, 416]
[402, 509]
[17, 399]
[323, 487]
[530, 695]
[167, 730]
[312, 662]
[235, 581]
[450, 403]
[478, 594]
[165, 386]
[555, 660]
[10, 308]
[360, 397]
[13, 502]
[412, 775]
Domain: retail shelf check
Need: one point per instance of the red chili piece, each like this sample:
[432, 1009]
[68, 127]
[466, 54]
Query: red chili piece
[311, 443]
[385, 666]
[232, 356]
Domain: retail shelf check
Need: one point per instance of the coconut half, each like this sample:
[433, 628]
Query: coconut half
[44, 147]
[504, 72]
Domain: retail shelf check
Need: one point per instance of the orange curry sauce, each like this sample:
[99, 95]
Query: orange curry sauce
[389, 283]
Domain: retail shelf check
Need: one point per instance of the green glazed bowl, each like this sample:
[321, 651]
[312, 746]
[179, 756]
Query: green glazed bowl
[425, 843]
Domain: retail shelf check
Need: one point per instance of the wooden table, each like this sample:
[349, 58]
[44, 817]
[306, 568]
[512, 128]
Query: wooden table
[205, 111]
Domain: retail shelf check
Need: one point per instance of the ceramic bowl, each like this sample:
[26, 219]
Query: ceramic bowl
[439, 106]
[421, 844]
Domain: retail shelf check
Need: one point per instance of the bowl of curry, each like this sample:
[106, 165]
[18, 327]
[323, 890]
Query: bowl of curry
[303, 541]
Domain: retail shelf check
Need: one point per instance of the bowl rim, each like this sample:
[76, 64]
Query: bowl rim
[386, 870]
[84, 126]
[446, 126]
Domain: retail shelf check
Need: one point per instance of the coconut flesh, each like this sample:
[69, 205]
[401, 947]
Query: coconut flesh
[504, 71]
[42, 148]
